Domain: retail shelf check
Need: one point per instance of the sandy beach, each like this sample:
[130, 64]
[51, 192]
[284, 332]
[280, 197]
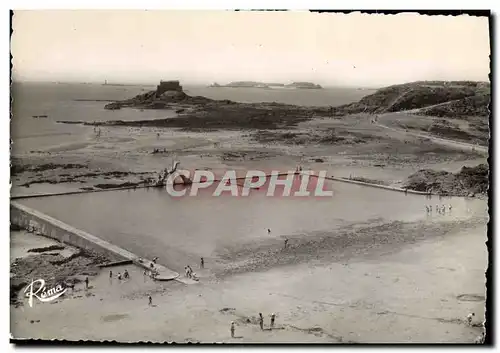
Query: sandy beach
[324, 300]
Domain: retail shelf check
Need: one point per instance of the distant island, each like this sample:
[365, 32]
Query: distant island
[304, 85]
[253, 84]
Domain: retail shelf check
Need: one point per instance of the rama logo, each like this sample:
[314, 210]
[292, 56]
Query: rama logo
[42, 293]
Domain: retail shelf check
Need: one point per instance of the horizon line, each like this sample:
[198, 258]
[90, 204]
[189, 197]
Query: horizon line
[205, 83]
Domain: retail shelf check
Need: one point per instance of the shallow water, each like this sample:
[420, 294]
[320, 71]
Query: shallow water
[153, 223]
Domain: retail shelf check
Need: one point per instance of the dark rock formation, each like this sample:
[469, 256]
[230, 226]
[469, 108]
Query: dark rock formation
[166, 92]
[453, 97]
[468, 181]
[113, 106]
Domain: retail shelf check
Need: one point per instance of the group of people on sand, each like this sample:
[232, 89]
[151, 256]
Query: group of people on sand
[189, 271]
[439, 208]
[125, 275]
[153, 273]
[157, 150]
[261, 323]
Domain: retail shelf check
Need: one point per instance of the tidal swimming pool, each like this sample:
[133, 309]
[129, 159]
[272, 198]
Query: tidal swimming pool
[153, 223]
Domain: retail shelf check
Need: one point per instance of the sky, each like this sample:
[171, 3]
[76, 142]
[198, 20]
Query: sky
[135, 46]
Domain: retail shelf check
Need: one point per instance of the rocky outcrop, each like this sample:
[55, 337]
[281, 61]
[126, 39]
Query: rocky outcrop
[453, 97]
[469, 181]
[166, 92]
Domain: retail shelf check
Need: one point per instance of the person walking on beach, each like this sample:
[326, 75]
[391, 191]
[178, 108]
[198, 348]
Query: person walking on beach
[232, 329]
[190, 271]
[150, 300]
[110, 274]
[125, 274]
[86, 283]
[261, 321]
[273, 317]
[119, 276]
[286, 242]
[202, 263]
[268, 231]
[449, 208]
[469, 318]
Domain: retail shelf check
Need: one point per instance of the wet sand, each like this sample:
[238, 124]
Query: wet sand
[413, 295]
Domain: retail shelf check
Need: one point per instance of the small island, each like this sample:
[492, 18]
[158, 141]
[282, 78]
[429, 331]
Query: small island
[254, 84]
[304, 85]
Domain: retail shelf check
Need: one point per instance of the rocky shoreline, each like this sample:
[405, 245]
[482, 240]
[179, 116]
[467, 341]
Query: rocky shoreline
[54, 262]
[329, 133]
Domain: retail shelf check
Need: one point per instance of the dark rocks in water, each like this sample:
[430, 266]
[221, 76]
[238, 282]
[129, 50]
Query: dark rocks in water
[113, 106]
[319, 160]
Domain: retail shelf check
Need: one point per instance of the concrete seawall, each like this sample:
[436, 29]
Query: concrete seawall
[17, 197]
[28, 218]
[363, 183]
[386, 187]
